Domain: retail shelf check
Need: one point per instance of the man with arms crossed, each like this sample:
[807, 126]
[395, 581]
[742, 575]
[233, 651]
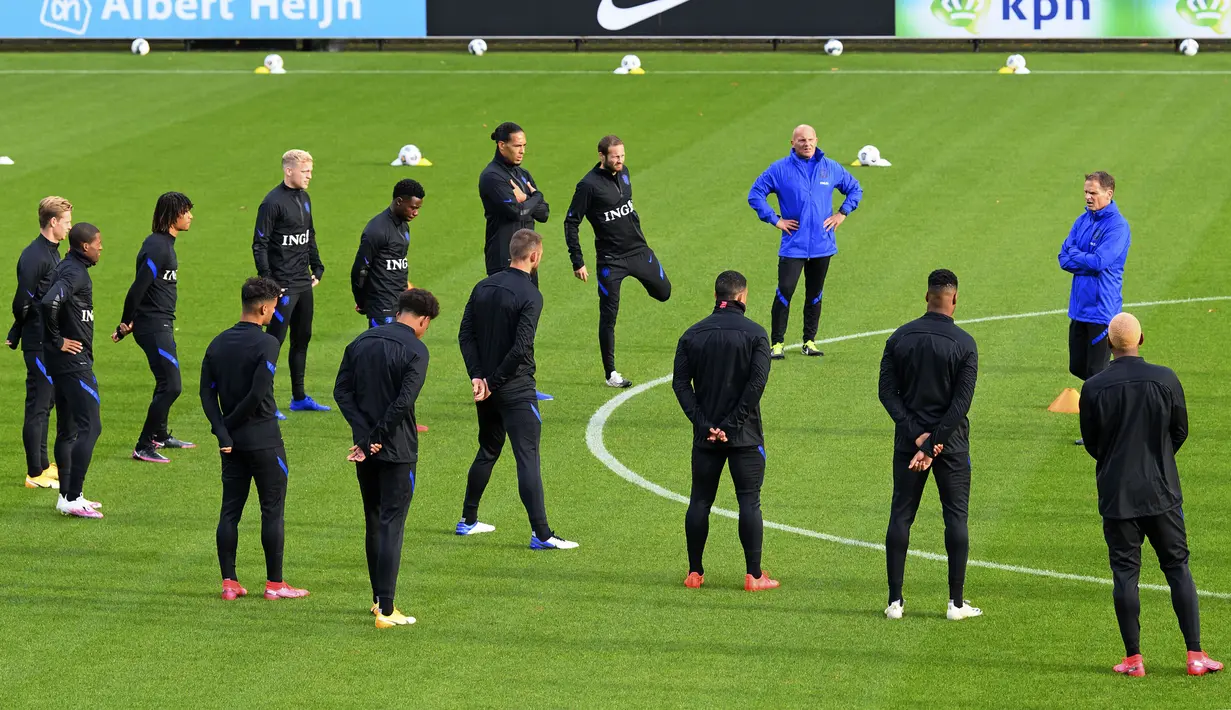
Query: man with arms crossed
[1094, 253]
[511, 201]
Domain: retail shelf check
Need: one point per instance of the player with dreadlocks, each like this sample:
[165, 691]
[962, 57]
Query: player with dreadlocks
[149, 314]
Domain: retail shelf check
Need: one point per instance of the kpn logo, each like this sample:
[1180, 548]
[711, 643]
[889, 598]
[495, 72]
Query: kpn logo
[1215, 14]
[71, 16]
[964, 13]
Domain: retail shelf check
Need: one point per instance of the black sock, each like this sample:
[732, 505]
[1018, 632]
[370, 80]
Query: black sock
[386, 605]
[471, 520]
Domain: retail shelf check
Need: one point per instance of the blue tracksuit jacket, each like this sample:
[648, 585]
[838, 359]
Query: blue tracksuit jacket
[1094, 254]
[805, 193]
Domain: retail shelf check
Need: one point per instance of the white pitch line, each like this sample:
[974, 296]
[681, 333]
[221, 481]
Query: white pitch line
[598, 422]
[603, 72]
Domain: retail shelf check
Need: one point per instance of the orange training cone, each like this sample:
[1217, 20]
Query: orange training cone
[1066, 403]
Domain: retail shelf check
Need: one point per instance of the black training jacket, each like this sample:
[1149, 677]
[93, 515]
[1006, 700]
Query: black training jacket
[378, 382]
[151, 298]
[380, 271]
[237, 388]
[68, 312]
[606, 200]
[284, 241]
[927, 383]
[1133, 421]
[497, 333]
[504, 215]
[721, 367]
[36, 261]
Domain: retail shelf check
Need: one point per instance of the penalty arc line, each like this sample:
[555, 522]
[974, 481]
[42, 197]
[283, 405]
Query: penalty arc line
[598, 422]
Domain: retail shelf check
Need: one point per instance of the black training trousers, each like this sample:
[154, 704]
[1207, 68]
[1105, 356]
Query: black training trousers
[515, 416]
[40, 395]
[1170, 542]
[158, 342]
[642, 265]
[268, 468]
[789, 269]
[748, 473]
[386, 489]
[952, 473]
[78, 424]
[1089, 349]
[294, 314]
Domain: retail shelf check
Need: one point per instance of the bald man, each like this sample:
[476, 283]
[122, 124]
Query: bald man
[804, 182]
[1133, 421]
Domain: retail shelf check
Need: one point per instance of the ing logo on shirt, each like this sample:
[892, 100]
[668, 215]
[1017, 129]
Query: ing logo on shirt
[395, 264]
[170, 275]
[87, 316]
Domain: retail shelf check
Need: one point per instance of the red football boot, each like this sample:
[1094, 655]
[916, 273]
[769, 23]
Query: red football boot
[1134, 666]
[754, 584]
[694, 580]
[1200, 664]
[282, 590]
[231, 590]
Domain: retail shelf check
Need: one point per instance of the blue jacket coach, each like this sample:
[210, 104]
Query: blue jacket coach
[804, 182]
[1095, 252]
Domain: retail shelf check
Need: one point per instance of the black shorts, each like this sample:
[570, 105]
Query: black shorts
[1089, 349]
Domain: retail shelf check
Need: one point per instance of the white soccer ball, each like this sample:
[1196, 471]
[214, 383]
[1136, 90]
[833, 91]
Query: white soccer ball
[410, 155]
[833, 48]
[630, 62]
[140, 47]
[869, 155]
[273, 62]
[477, 47]
[1189, 47]
[1015, 61]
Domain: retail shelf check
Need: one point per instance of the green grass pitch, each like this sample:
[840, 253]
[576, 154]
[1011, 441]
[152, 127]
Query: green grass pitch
[986, 181]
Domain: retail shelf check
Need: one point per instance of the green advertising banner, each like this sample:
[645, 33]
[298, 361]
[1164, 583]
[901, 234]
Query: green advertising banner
[1057, 19]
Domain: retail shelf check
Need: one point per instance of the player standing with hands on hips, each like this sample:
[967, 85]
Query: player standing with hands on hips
[149, 314]
[804, 182]
[1133, 421]
[927, 383]
[497, 343]
[67, 310]
[605, 198]
[378, 383]
[1094, 253]
[55, 219]
[284, 247]
[721, 368]
[237, 394]
[511, 201]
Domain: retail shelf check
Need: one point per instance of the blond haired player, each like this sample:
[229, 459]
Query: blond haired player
[284, 247]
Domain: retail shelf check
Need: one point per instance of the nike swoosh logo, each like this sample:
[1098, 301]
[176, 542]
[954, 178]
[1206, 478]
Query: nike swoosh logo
[615, 18]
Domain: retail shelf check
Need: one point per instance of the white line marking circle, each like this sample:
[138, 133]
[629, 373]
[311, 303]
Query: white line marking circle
[594, 440]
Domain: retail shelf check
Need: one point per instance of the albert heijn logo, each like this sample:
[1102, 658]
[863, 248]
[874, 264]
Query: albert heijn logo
[71, 16]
